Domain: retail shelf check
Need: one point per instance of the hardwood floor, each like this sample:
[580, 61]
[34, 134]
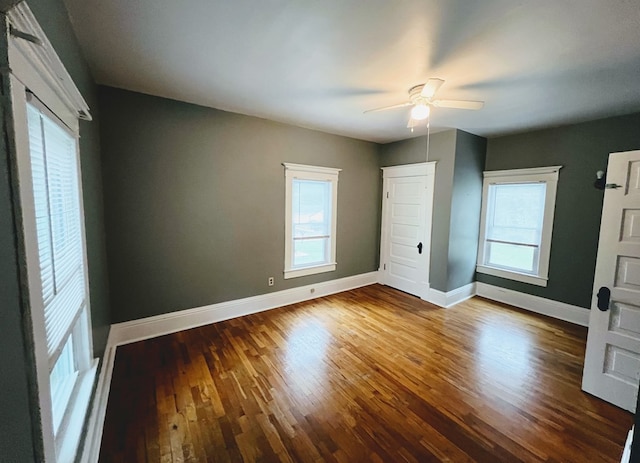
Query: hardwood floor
[371, 374]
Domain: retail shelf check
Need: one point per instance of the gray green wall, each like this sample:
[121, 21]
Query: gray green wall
[194, 202]
[582, 149]
[19, 434]
[442, 146]
[466, 205]
[456, 201]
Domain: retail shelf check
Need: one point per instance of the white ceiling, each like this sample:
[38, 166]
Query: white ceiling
[321, 63]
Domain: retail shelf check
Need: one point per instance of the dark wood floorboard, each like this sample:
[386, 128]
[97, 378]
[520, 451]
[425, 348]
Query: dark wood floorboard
[369, 375]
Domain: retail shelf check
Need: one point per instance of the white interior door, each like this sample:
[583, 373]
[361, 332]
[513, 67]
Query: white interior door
[406, 227]
[612, 361]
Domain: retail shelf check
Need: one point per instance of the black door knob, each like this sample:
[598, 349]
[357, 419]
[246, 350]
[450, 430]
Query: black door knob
[420, 248]
[604, 295]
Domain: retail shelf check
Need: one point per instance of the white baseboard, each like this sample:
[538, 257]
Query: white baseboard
[159, 325]
[626, 454]
[555, 309]
[453, 297]
[90, 451]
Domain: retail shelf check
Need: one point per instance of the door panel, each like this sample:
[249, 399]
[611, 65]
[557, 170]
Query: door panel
[407, 206]
[612, 360]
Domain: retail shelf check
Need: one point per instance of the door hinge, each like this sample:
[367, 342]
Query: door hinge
[384, 266]
[387, 195]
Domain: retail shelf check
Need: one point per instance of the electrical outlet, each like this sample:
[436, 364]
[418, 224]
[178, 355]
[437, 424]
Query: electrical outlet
[270, 281]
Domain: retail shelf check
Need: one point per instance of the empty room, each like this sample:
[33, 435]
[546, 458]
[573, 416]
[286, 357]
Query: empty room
[303, 231]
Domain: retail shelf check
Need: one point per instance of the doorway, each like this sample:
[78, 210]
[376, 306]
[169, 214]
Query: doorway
[407, 212]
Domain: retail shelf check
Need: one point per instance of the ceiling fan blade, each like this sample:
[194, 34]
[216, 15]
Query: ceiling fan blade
[458, 104]
[431, 87]
[384, 108]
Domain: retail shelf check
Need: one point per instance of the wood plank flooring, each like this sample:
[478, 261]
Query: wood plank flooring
[369, 375]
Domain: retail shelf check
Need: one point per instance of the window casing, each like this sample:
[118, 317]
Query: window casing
[56, 194]
[46, 108]
[310, 209]
[517, 223]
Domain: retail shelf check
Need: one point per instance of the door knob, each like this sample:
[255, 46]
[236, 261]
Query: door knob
[604, 295]
[420, 248]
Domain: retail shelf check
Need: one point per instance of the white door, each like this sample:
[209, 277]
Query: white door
[612, 361]
[406, 227]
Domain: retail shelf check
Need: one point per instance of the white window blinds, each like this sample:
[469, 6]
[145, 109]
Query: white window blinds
[58, 222]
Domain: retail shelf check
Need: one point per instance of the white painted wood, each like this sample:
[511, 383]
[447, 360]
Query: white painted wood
[67, 448]
[407, 211]
[137, 330]
[453, 297]
[612, 360]
[34, 281]
[541, 305]
[548, 175]
[40, 70]
[626, 453]
[521, 172]
[90, 451]
[299, 171]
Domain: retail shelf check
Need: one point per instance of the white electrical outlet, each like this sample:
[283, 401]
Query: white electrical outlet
[270, 281]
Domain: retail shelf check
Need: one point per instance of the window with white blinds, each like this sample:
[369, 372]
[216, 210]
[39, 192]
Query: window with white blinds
[54, 167]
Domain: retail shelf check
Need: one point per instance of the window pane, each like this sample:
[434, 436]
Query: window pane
[62, 380]
[311, 213]
[516, 212]
[310, 251]
[58, 225]
[511, 256]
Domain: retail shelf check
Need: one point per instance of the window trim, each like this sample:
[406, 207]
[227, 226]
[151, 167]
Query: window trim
[548, 175]
[37, 68]
[305, 172]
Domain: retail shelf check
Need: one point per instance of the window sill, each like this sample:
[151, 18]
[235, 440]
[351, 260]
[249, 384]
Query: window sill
[523, 277]
[312, 270]
[68, 440]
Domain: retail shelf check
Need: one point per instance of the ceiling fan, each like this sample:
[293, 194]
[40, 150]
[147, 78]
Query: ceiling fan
[421, 97]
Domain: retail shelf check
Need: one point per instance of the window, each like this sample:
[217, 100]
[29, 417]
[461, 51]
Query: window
[310, 232]
[517, 221]
[46, 108]
[61, 257]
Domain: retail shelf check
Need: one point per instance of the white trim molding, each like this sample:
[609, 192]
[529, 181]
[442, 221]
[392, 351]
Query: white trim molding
[90, 451]
[329, 176]
[521, 172]
[453, 297]
[33, 59]
[560, 310]
[541, 245]
[159, 325]
[410, 170]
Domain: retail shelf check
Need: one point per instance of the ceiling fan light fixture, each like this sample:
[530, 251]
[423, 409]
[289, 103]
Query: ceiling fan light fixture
[420, 111]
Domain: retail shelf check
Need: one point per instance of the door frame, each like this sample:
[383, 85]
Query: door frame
[422, 169]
